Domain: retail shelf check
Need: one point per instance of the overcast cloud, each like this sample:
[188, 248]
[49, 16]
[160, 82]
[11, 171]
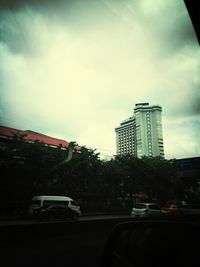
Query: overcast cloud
[75, 69]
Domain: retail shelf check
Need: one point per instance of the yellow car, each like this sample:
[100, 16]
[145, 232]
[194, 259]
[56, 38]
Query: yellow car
[173, 209]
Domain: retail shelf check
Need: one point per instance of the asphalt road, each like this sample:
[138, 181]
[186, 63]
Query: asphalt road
[83, 218]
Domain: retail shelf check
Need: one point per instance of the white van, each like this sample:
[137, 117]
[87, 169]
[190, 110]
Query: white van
[39, 202]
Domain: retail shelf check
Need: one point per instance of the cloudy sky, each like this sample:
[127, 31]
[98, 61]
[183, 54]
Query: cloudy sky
[74, 69]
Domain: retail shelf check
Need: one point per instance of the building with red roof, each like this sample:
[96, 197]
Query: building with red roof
[7, 132]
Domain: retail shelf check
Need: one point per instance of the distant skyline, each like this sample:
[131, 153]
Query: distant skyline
[75, 69]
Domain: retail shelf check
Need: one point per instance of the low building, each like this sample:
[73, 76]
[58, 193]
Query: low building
[7, 133]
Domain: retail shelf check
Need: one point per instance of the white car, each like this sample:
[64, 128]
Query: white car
[147, 209]
[39, 202]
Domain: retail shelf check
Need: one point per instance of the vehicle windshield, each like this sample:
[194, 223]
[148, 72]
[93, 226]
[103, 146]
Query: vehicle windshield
[99, 103]
[54, 203]
[140, 206]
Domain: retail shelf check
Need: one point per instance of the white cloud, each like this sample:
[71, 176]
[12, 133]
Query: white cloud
[182, 135]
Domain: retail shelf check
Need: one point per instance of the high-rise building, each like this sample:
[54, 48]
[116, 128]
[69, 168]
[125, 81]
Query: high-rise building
[126, 137]
[141, 134]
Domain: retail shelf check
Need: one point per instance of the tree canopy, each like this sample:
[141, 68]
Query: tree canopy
[36, 168]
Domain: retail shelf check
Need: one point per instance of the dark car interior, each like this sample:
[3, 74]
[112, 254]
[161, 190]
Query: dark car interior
[104, 243]
[152, 243]
[107, 242]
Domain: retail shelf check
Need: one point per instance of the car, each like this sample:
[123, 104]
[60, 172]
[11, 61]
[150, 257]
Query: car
[146, 209]
[38, 203]
[56, 211]
[174, 209]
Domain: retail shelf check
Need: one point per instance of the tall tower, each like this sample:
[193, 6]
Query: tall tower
[149, 138]
[141, 134]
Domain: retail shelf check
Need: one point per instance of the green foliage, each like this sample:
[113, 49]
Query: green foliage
[151, 176]
[34, 168]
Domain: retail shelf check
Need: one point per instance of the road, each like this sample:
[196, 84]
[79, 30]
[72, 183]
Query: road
[83, 218]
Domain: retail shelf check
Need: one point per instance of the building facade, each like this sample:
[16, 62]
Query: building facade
[126, 137]
[141, 134]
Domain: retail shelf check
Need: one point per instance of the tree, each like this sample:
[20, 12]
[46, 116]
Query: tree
[25, 166]
[161, 173]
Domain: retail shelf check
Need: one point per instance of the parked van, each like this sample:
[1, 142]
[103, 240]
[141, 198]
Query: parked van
[42, 202]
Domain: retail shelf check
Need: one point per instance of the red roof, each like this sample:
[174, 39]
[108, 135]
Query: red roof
[33, 136]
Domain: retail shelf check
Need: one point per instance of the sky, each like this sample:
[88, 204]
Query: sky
[74, 69]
